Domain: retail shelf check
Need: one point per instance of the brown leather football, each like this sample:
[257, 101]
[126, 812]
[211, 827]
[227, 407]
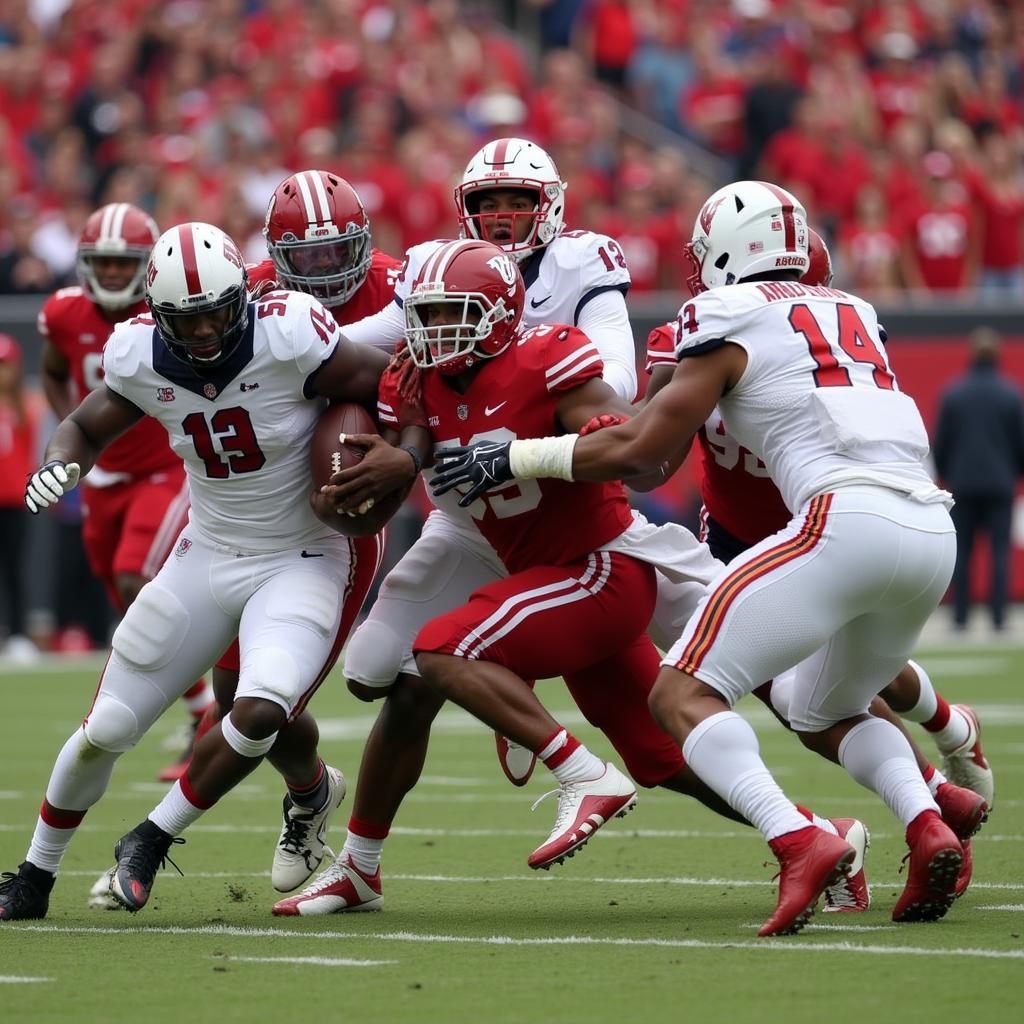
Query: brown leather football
[327, 455]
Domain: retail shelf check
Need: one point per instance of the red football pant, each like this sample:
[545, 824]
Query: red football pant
[586, 621]
[130, 528]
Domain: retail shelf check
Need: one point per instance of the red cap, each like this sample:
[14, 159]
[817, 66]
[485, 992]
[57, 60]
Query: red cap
[10, 350]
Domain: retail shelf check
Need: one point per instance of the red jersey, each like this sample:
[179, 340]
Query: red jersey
[371, 297]
[77, 328]
[940, 235]
[735, 486]
[514, 395]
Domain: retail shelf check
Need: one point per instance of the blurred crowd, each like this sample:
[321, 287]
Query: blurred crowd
[898, 122]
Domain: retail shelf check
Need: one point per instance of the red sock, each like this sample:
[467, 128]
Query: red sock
[368, 829]
[940, 719]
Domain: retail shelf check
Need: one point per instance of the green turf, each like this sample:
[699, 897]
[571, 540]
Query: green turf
[654, 921]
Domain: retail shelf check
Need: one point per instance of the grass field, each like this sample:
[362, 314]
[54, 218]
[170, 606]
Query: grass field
[654, 921]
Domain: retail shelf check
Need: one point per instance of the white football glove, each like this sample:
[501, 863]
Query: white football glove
[50, 483]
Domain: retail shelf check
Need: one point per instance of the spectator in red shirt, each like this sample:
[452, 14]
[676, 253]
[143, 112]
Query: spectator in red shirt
[997, 190]
[610, 39]
[939, 254]
[869, 248]
[712, 107]
[17, 459]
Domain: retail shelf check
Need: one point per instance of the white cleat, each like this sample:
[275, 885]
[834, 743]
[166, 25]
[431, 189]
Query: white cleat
[850, 894]
[301, 845]
[341, 889]
[583, 807]
[965, 765]
[99, 895]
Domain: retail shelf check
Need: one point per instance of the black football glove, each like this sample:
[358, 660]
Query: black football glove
[485, 465]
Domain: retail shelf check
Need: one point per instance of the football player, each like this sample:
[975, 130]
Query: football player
[238, 387]
[135, 499]
[318, 238]
[800, 375]
[580, 583]
[510, 194]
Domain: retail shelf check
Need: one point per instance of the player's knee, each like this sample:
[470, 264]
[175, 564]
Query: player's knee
[225, 682]
[367, 694]
[375, 656]
[111, 725]
[414, 701]
[437, 669]
[270, 674]
[249, 730]
[152, 630]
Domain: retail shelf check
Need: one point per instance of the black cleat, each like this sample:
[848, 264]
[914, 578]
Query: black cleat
[25, 896]
[140, 854]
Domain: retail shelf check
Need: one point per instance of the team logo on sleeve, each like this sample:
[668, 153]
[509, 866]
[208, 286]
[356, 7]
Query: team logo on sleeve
[165, 394]
[182, 549]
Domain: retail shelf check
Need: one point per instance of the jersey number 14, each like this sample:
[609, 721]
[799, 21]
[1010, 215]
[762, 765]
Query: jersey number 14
[852, 338]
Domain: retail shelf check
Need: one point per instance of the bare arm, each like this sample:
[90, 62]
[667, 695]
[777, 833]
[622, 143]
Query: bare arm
[351, 374]
[102, 416]
[56, 371]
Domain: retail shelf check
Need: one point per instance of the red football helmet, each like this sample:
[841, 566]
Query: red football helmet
[483, 291]
[318, 236]
[122, 231]
[820, 269]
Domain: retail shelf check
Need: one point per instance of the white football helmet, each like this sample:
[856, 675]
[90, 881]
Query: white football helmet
[196, 268]
[746, 228]
[513, 164]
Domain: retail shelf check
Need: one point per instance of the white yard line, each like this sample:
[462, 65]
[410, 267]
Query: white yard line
[545, 878]
[1016, 908]
[316, 961]
[771, 946]
[15, 979]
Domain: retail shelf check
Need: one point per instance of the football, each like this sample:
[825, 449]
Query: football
[327, 455]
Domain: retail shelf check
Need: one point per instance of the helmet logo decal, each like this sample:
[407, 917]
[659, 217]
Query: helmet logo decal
[505, 268]
[708, 212]
[231, 252]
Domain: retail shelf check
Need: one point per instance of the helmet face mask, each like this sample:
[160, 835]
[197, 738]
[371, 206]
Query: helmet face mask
[744, 229]
[318, 236]
[512, 165]
[465, 306]
[117, 232]
[196, 289]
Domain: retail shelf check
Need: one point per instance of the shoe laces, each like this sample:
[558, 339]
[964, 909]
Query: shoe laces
[146, 859]
[333, 873]
[566, 793]
[297, 823]
[839, 894]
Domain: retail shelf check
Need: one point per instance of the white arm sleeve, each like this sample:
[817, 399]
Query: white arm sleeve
[605, 322]
[380, 329]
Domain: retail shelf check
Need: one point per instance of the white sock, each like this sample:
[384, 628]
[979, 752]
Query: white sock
[927, 703]
[877, 755]
[935, 780]
[824, 824]
[175, 812]
[49, 845]
[723, 751]
[580, 766]
[954, 733]
[364, 853]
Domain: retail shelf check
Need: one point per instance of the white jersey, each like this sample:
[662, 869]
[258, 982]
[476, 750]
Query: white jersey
[243, 429]
[818, 401]
[567, 283]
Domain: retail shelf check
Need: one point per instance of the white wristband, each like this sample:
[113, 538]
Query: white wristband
[542, 457]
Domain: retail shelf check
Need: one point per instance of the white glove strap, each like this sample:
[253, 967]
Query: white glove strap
[542, 457]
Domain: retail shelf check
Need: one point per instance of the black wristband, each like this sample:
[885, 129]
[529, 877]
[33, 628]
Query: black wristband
[414, 454]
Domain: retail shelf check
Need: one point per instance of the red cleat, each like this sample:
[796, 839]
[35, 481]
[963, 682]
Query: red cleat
[966, 869]
[962, 809]
[810, 860]
[936, 858]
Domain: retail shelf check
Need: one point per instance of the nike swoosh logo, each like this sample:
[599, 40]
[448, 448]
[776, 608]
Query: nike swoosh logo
[488, 410]
[534, 303]
[312, 554]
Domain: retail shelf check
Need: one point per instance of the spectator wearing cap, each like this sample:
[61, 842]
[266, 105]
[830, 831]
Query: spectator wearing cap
[979, 454]
[17, 459]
